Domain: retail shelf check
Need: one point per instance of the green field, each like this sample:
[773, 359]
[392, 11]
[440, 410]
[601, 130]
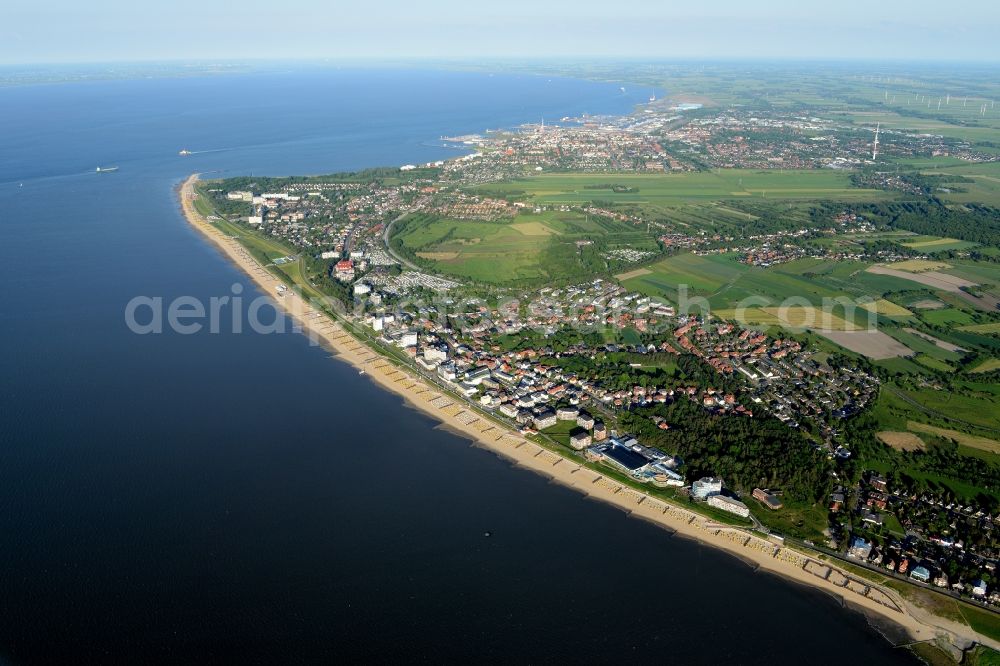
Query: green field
[895, 118]
[989, 329]
[531, 248]
[985, 189]
[688, 187]
[933, 363]
[967, 405]
[936, 244]
[889, 309]
[946, 316]
[988, 365]
[727, 284]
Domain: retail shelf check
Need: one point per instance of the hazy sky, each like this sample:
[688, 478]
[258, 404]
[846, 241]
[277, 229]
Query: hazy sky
[34, 31]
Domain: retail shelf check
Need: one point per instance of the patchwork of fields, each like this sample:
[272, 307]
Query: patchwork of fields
[842, 300]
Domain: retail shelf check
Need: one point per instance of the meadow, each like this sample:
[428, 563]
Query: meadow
[985, 189]
[677, 188]
[530, 249]
[936, 244]
[727, 284]
[971, 406]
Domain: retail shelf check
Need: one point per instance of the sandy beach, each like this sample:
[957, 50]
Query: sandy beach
[759, 551]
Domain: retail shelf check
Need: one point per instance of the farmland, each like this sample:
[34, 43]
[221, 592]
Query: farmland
[873, 344]
[791, 317]
[725, 283]
[887, 308]
[973, 441]
[985, 187]
[901, 441]
[936, 244]
[990, 329]
[972, 406]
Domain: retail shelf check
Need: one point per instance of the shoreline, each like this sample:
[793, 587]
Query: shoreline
[761, 553]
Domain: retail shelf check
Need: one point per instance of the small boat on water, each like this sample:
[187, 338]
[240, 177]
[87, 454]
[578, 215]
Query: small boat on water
[184, 152]
[362, 372]
[106, 169]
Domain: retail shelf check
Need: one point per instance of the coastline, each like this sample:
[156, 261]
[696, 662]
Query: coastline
[759, 552]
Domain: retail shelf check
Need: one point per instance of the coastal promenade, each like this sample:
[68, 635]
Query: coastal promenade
[759, 551]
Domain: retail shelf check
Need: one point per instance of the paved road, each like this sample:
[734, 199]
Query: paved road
[349, 241]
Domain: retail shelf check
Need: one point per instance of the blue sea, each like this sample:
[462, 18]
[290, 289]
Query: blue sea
[220, 498]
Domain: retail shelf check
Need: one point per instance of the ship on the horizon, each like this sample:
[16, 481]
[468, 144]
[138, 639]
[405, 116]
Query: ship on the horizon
[106, 169]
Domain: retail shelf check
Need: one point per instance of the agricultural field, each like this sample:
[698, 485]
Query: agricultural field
[901, 441]
[990, 329]
[946, 317]
[919, 265]
[939, 343]
[725, 283]
[876, 345]
[985, 189]
[919, 344]
[988, 365]
[795, 317]
[678, 188]
[934, 279]
[888, 308]
[929, 361]
[969, 405]
[965, 439]
[936, 244]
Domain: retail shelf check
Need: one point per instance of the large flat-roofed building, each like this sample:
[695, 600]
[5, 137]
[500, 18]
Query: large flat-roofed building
[625, 458]
[622, 456]
[729, 504]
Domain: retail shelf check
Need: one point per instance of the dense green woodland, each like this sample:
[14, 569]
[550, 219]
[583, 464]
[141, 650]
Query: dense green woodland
[260, 184]
[746, 452]
[932, 217]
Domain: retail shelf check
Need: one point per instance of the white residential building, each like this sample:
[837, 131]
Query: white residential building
[706, 487]
[729, 504]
